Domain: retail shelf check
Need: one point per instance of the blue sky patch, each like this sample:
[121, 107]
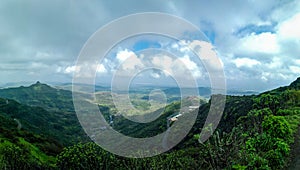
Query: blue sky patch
[144, 44]
[211, 35]
[244, 31]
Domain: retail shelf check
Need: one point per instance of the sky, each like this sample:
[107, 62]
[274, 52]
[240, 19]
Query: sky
[257, 42]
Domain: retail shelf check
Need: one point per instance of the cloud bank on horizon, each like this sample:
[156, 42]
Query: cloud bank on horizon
[257, 41]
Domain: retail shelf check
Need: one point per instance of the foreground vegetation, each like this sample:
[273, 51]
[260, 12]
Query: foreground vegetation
[255, 132]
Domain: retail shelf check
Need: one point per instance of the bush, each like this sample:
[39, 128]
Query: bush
[277, 127]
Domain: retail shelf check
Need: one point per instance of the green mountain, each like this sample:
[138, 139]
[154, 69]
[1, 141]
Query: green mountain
[41, 95]
[44, 109]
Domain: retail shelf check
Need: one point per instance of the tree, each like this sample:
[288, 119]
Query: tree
[85, 156]
[12, 157]
[267, 101]
[277, 127]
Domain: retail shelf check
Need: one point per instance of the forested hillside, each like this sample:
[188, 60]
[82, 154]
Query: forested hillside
[41, 95]
[255, 132]
[23, 145]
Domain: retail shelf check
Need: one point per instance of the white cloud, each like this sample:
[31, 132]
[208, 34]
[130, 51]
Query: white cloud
[275, 64]
[289, 29]
[270, 55]
[101, 68]
[183, 46]
[129, 61]
[88, 68]
[71, 69]
[295, 69]
[164, 62]
[245, 62]
[175, 45]
[42, 55]
[265, 76]
[265, 43]
[124, 54]
[297, 62]
[58, 37]
[132, 63]
[38, 65]
[208, 55]
[271, 76]
[191, 65]
[155, 75]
